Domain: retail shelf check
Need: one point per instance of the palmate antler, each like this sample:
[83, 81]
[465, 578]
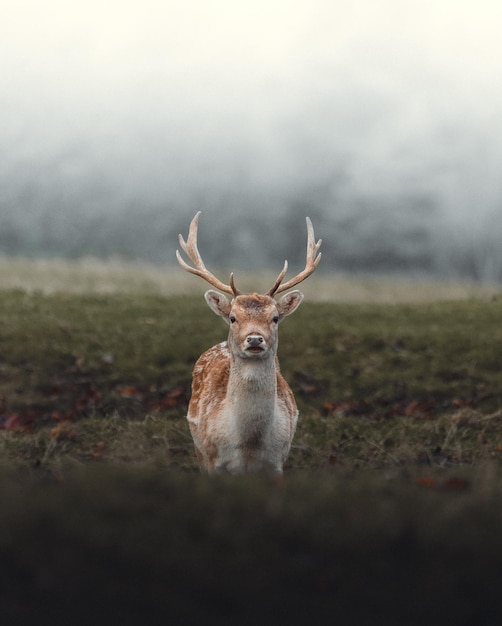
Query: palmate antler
[311, 263]
[190, 247]
[199, 269]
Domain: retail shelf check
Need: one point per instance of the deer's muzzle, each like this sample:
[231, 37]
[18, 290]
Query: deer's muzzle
[255, 343]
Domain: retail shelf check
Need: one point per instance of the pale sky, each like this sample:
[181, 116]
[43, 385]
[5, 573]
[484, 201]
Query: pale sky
[99, 39]
[398, 76]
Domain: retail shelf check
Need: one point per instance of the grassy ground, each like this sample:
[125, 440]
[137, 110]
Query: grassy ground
[389, 512]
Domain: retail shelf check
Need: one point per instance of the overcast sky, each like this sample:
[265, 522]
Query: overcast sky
[407, 91]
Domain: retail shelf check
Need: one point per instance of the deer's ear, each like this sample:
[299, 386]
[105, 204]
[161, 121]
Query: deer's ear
[289, 303]
[218, 303]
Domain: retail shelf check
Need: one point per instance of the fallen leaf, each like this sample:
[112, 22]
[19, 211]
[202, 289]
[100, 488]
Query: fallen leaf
[20, 422]
[340, 409]
[129, 391]
[458, 484]
[99, 450]
[309, 389]
[426, 481]
[63, 431]
[169, 400]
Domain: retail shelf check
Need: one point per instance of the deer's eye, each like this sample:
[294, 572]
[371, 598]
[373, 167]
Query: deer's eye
[275, 319]
[232, 319]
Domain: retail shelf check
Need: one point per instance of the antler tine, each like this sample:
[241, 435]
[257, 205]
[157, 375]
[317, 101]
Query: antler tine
[278, 280]
[312, 261]
[190, 248]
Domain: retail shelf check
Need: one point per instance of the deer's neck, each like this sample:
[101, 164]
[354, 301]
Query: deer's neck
[252, 390]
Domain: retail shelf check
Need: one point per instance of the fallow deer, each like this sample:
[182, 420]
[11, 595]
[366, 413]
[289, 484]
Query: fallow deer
[242, 413]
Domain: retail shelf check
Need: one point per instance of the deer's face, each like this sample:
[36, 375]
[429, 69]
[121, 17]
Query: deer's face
[254, 320]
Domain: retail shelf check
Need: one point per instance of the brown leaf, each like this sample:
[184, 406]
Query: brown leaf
[63, 431]
[461, 402]
[426, 481]
[21, 422]
[99, 450]
[340, 409]
[457, 484]
[309, 389]
[129, 391]
[170, 400]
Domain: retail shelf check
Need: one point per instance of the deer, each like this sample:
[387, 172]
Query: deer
[242, 414]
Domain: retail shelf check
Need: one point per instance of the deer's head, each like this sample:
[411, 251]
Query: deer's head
[253, 318]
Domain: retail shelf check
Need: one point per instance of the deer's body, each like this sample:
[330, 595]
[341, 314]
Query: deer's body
[242, 413]
[249, 425]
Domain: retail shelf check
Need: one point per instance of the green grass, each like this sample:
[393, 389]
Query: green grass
[389, 511]
[374, 383]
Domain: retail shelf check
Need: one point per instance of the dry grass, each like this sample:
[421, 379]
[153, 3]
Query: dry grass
[92, 276]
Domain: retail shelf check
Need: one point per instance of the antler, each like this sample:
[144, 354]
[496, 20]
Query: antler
[191, 250]
[311, 263]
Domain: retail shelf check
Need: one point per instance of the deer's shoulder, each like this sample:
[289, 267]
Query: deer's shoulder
[212, 368]
[210, 379]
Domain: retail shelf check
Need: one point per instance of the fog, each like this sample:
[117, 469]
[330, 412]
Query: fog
[381, 120]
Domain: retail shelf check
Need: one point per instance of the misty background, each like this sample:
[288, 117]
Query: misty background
[380, 119]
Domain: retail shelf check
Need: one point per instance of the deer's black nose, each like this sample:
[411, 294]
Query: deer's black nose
[254, 341]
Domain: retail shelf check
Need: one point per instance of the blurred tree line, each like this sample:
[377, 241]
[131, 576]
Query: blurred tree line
[93, 215]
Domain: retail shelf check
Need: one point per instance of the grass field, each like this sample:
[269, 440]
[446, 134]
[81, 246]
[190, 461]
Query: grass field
[391, 505]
